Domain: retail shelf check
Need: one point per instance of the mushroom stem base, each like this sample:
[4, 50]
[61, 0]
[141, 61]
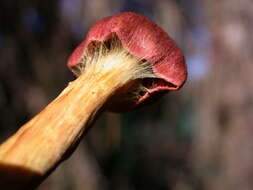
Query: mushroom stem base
[36, 149]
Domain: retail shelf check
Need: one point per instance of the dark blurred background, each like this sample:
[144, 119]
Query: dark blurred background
[194, 139]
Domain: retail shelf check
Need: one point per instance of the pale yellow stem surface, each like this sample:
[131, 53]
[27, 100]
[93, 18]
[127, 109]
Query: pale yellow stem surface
[36, 149]
[41, 143]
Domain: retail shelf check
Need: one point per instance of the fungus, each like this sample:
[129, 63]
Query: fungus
[125, 61]
[146, 41]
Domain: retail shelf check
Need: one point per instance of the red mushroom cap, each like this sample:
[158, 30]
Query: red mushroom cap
[146, 40]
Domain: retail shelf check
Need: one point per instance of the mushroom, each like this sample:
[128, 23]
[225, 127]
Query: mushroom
[125, 61]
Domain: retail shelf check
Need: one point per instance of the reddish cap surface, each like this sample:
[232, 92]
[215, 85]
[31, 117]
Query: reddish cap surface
[146, 40]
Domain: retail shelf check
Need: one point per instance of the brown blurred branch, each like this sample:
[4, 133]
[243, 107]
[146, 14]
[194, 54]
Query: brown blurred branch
[223, 156]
